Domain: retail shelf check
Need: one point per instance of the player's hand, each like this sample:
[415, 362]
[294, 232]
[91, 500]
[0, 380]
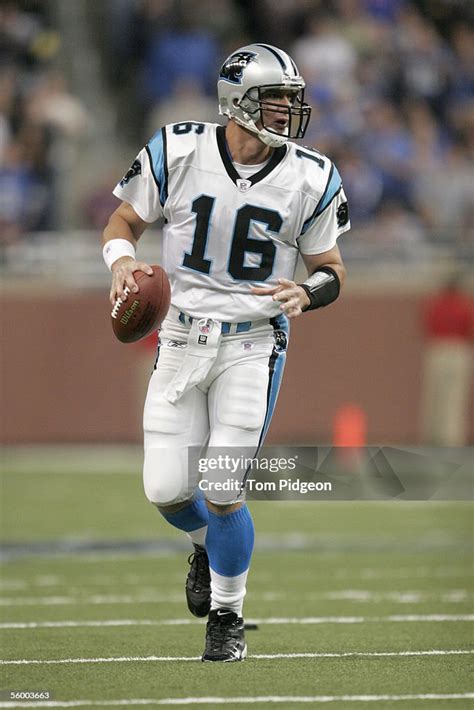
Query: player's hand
[293, 298]
[122, 276]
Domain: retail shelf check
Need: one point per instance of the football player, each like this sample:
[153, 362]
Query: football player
[240, 203]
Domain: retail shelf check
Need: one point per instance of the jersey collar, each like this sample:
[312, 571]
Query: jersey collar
[276, 158]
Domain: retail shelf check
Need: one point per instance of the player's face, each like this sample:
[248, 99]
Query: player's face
[275, 105]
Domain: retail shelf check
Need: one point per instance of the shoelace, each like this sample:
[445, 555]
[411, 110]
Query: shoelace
[217, 635]
[199, 572]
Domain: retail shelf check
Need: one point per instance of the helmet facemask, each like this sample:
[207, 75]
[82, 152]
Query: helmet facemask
[257, 102]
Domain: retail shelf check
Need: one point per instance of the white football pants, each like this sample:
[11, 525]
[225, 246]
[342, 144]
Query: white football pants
[231, 407]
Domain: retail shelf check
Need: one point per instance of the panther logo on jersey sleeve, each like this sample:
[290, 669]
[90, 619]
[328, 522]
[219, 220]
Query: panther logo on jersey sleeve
[342, 214]
[134, 170]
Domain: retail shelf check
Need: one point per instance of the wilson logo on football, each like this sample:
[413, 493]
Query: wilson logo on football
[129, 312]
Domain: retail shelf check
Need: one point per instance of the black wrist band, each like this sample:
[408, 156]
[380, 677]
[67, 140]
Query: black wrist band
[322, 287]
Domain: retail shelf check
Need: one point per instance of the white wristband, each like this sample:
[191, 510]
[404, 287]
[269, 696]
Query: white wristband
[115, 249]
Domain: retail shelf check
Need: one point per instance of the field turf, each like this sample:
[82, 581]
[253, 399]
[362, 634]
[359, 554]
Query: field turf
[356, 604]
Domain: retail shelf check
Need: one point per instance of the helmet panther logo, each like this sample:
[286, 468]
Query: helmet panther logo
[232, 69]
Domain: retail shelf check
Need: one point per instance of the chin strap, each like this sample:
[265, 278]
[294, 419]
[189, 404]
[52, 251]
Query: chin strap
[271, 139]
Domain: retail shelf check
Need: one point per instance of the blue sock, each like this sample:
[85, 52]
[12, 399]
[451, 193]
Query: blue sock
[229, 541]
[193, 517]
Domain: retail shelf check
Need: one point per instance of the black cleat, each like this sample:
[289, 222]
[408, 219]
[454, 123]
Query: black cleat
[198, 582]
[225, 637]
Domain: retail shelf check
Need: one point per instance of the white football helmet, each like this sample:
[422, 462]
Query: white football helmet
[249, 74]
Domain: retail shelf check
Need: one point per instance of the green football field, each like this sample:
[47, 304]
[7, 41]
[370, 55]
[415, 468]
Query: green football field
[356, 604]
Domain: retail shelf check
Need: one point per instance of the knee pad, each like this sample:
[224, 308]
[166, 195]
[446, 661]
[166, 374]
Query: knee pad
[166, 477]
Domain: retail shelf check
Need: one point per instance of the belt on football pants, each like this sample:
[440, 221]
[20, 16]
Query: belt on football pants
[226, 328]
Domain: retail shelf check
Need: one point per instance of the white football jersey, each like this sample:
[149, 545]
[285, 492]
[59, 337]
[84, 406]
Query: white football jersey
[224, 234]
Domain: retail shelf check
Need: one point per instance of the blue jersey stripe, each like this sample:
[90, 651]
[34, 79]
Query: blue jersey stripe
[276, 366]
[156, 149]
[332, 188]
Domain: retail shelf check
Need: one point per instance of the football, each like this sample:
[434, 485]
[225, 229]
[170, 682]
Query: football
[142, 312]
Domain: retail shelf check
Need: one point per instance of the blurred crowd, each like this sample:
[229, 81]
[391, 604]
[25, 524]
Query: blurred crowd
[36, 112]
[391, 83]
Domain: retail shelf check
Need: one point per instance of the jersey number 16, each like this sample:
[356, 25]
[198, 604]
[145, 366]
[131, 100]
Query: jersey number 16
[241, 242]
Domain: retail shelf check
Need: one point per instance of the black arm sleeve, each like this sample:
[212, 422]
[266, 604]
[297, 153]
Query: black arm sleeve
[322, 287]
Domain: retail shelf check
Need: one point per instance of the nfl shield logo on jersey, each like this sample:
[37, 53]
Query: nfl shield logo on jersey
[244, 185]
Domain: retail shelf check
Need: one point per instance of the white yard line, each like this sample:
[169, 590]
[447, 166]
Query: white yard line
[91, 580]
[258, 657]
[150, 596]
[272, 620]
[95, 599]
[279, 544]
[366, 573]
[245, 700]
[399, 597]
[423, 572]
